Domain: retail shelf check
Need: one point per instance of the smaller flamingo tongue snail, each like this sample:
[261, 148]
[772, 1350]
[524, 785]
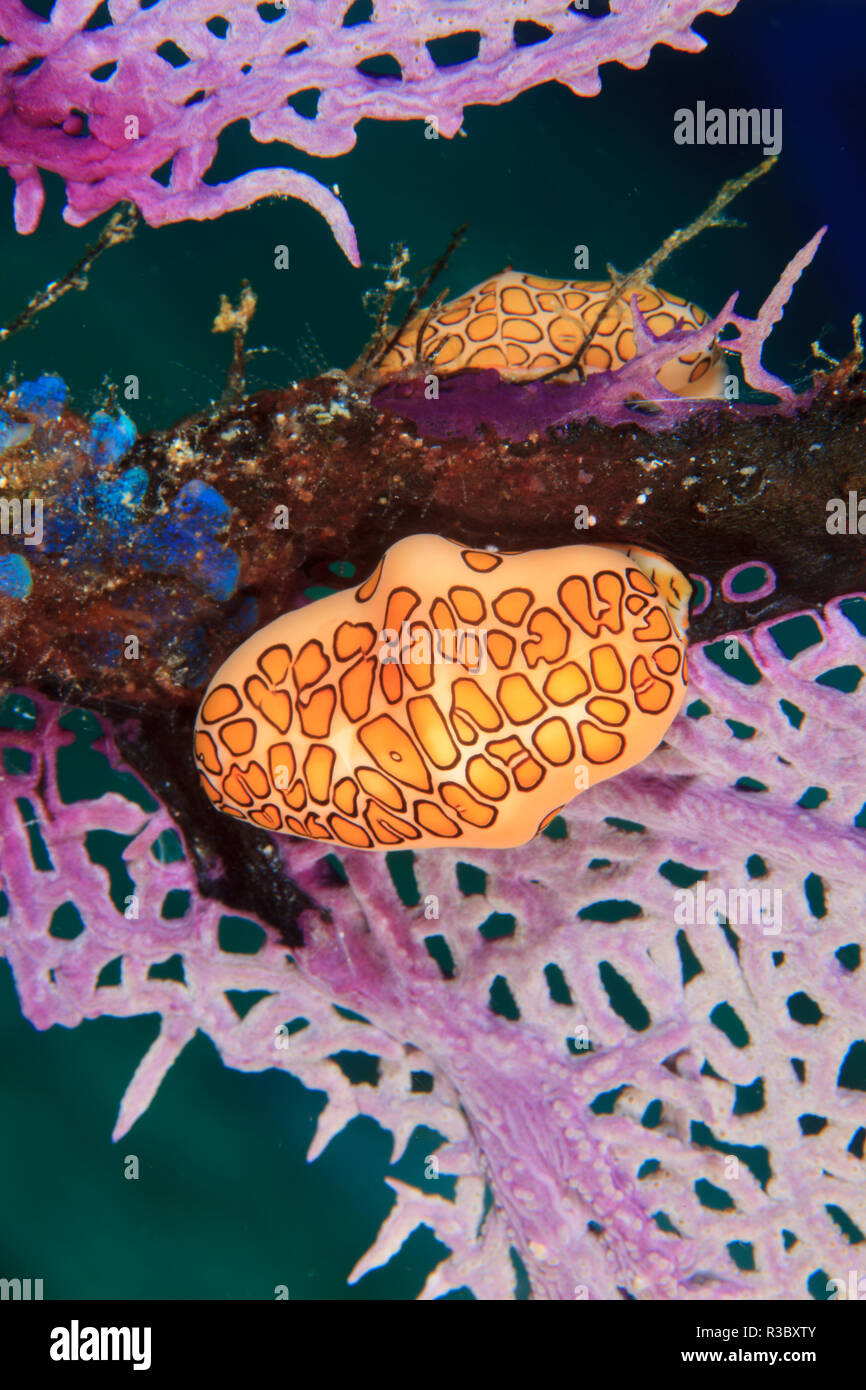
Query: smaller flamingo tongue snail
[525, 326]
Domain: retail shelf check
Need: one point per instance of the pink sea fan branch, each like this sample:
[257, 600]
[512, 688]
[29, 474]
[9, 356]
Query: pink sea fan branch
[598, 1132]
[638, 377]
[145, 109]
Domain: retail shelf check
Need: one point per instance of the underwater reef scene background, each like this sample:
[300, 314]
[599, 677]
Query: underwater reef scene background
[566, 1070]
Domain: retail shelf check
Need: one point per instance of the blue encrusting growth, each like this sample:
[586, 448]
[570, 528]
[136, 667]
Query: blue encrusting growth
[185, 540]
[16, 581]
[45, 397]
[105, 523]
[111, 438]
[119, 498]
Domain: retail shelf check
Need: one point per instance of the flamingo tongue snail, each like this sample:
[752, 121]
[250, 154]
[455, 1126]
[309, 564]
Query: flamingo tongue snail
[457, 697]
[525, 326]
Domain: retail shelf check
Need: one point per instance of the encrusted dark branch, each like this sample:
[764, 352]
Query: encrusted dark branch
[644, 273]
[236, 321]
[717, 491]
[120, 227]
[395, 282]
[380, 344]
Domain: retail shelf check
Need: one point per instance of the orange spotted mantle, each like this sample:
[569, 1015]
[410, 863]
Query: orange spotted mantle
[306, 730]
[526, 326]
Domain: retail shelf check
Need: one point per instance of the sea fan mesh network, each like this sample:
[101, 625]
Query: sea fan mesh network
[186, 70]
[657, 1110]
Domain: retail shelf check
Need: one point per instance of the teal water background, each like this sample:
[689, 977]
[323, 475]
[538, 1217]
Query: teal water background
[225, 1206]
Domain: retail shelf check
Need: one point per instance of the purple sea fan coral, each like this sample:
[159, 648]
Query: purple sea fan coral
[664, 1101]
[107, 107]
